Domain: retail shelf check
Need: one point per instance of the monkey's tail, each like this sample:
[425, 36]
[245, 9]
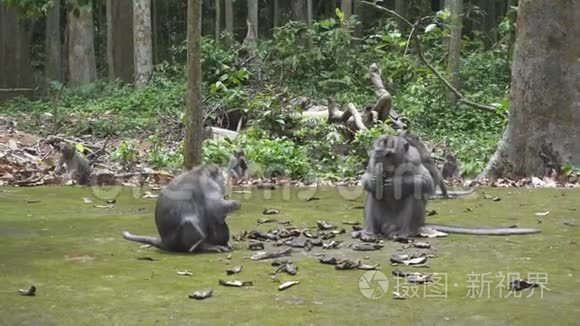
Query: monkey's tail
[482, 230]
[155, 242]
[451, 194]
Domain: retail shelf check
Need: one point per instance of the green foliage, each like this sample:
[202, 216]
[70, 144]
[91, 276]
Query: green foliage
[160, 157]
[30, 7]
[127, 153]
[274, 156]
[317, 61]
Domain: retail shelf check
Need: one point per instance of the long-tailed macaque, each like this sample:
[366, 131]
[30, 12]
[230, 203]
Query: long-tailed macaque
[238, 167]
[427, 161]
[191, 213]
[397, 186]
[74, 163]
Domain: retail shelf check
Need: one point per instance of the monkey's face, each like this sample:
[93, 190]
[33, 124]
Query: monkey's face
[390, 151]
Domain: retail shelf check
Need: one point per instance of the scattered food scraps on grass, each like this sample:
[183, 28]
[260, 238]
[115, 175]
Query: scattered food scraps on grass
[254, 245]
[184, 273]
[346, 264]
[235, 283]
[234, 270]
[31, 291]
[260, 255]
[367, 267]
[398, 296]
[270, 211]
[201, 294]
[287, 285]
[104, 206]
[264, 220]
[323, 226]
[329, 260]
[149, 194]
[518, 285]
[421, 245]
[367, 246]
[146, 258]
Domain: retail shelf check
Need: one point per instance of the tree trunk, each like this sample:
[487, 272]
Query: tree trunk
[331, 8]
[454, 60]
[143, 53]
[309, 13]
[488, 20]
[218, 21]
[193, 114]
[229, 11]
[276, 13]
[120, 40]
[346, 7]
[81, 43]
[299, 11]
[544, 122]
[252, 22]
[15, 62]
[54, 62]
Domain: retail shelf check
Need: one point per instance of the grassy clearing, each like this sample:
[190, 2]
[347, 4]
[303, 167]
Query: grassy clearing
[86, 274]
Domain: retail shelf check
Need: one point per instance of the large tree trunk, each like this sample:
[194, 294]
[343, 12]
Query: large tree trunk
[346, 7]
[544, 122]
[54, 60]
[120, 40]
[454, 60]
[143, 53]
[251, 40]
[81, 43]
[15, 65]
[193, 114]
[299, 11]
[229, 12]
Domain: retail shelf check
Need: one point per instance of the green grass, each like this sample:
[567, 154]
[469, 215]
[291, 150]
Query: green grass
[43, 243]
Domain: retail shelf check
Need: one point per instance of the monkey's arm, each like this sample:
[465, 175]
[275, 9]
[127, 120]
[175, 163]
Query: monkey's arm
[402, 186]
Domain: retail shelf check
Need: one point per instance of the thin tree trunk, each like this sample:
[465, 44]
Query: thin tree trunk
[53, 44]
[143, 53]
[81, 44]
[454, 60]
[252, 22]
[218, 25]
[229, 11]
[276, 13]
[346, 7]
[309, 14]
[544, 121]
[193, 114]
[120, 40]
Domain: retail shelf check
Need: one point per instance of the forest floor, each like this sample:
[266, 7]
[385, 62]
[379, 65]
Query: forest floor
[86, 274]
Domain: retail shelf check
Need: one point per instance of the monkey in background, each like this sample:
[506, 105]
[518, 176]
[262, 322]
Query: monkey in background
[238, 167]
[74, 163]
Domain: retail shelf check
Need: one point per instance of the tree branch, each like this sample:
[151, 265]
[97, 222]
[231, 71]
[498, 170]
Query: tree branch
[415, 38]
